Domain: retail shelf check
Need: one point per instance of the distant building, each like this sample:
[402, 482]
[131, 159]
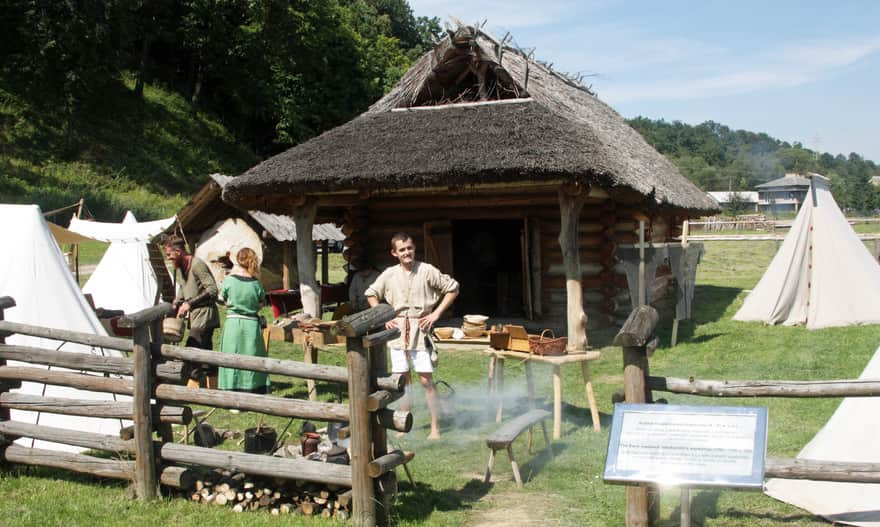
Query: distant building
[748, 199]
[784, 194]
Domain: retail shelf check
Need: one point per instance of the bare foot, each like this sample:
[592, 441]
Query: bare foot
[433, 435]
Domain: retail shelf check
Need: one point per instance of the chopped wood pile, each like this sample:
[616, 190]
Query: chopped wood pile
[277, 496]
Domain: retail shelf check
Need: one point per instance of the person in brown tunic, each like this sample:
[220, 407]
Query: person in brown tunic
[419, 293]
[196, 299]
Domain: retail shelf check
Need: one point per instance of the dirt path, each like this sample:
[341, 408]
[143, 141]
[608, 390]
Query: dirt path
[512, 508]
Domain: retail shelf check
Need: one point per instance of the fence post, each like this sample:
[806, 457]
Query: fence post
[385, 485]
[5, 303]
[146, 482]
[637, 339]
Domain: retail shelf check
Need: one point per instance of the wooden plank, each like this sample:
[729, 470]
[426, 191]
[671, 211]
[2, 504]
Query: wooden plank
[67, 437]
[179, 415]
[89, 339]
[258, 464]
[267, 404]
[509, 431]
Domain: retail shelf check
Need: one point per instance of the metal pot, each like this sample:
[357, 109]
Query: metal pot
[260, 440]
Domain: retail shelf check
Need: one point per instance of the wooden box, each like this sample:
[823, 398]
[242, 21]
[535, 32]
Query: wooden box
[279, 333]
[519, 339]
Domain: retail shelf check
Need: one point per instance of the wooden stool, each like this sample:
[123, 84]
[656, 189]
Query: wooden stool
[504, 437]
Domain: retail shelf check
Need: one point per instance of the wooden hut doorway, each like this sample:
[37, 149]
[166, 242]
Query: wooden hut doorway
[488, 263]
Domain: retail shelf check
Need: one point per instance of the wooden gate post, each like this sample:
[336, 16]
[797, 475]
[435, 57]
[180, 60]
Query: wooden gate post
[383, 486]
[146, 482]
[637, 339]
[359, 388]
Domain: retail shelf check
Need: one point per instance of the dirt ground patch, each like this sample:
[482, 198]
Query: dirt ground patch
[512, 508]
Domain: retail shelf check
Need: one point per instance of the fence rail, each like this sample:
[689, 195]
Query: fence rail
[153, 375]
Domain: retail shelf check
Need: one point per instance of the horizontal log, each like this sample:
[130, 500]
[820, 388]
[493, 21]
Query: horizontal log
[78, 337]
[169, 371]
[381, 399]
[260, 465]
[822, 470]
[394, 419]
[67, 437]
[82, 381]
[267, 404]
[381, 338]
[289, 368]
[359, 324]
[174, 372]
[388, 462]
[146, 316]
[178, 415]
[768, 388]
[639, 327]
[521, 199]
[104, 468]
[6, 302]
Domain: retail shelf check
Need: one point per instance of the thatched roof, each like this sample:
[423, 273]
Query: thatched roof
[546, 127]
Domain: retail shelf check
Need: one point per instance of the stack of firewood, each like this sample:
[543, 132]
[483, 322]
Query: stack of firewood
[278, 496]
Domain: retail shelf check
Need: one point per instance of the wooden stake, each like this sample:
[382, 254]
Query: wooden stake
[145, 481]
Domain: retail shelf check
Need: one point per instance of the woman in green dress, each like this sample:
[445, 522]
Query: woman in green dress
[242, 333]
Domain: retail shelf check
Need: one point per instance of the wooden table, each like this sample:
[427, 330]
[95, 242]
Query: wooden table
[496, 380]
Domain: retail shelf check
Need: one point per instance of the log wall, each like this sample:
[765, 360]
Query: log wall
[605, 223]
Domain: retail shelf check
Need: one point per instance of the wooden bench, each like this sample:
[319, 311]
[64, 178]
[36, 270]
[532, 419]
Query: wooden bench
[504, 437]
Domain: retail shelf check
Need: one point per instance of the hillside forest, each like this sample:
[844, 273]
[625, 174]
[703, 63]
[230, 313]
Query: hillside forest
[132, 103]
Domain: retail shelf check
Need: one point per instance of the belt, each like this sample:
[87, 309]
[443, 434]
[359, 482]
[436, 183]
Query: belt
[245, 317]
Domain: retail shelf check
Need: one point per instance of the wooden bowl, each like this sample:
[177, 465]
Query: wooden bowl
[473, 332]
[444, 333]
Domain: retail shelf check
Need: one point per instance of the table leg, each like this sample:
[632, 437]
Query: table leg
[499, 388]
[557, 402]
[591, 397]
[490, 384]
[310, 356]
[530, 384]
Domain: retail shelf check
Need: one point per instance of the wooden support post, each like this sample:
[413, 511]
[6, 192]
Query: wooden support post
[310, 293]
[379, 368]
[571, 201]
[156, 340]
[642, 295]
[635, 335]
[557, 402]
[499, 388]
[685, 507]
[286, 264]
[145, 481]
[685, 231]
[325, 261]
[363, 493]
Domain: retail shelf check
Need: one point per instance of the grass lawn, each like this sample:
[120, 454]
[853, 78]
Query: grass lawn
[565, 490]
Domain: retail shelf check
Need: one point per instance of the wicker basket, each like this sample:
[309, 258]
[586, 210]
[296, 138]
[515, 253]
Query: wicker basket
[541, 345]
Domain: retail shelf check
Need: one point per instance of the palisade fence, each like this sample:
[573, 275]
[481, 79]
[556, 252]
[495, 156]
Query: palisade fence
[637, 339]
[154, 376]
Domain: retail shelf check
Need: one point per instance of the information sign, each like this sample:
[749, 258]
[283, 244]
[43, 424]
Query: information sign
[694, 446]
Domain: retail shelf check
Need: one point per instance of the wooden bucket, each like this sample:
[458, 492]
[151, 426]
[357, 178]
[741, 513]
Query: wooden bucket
[260, 440]
[172, 329]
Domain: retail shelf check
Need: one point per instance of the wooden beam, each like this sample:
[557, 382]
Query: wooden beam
[569, 211]
[179, 415]
[310, 292]
[768, 388]
[78, 337]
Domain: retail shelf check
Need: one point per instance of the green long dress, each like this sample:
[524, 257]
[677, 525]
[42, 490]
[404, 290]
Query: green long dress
[242, 334]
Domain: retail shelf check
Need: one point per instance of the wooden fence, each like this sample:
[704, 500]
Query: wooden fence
[157, 372]
[638, 342]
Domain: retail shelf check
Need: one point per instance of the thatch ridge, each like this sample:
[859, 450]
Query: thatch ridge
[564, 132]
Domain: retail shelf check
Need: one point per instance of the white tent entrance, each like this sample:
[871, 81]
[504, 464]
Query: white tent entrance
[36, 275]
[822, 276]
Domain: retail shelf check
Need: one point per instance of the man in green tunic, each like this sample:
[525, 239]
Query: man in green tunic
[196, 299]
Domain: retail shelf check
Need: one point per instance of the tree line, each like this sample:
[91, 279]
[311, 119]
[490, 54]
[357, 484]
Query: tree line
[277, 72]
[717, 158]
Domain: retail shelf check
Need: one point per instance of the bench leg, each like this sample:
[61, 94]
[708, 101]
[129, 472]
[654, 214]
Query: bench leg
[499, 388]
[547, 438]
[514, 467]
[529, 442]
[591, 398]
[557, 402]
[488, 477]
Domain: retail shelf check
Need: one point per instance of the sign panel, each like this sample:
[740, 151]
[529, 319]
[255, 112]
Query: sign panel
[694, 446]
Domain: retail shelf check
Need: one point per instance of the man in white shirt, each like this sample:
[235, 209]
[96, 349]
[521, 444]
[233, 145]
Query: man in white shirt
[413, 289]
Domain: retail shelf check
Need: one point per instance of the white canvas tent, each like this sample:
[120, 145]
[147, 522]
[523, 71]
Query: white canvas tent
[127, 231]
[822, 275]
[35, 274]
[849, 436]
[124, 278]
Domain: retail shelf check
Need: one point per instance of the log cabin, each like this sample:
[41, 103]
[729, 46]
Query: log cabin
[514, 178]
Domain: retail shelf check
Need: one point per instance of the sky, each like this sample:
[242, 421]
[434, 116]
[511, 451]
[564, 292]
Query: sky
[802, 71]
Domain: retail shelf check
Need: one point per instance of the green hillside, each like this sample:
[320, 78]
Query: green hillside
[125, 153]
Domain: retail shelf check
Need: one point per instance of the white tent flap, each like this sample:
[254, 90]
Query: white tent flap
[121, 232]
[46, 295]
[849, 436]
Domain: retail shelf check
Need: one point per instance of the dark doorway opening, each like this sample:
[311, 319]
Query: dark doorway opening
[488, 264]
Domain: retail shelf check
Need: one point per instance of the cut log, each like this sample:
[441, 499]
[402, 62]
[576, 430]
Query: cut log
[382, 398]
[359, 324]
[388, 462]
[394, 419]
[822, 470]
[768, 388]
